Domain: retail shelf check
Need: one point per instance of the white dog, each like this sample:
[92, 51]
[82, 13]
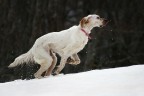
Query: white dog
[66, 43]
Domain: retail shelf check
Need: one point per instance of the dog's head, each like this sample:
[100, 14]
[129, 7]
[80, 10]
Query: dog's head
[93, 21]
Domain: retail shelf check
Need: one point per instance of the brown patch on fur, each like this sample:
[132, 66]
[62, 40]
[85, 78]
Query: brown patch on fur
[83, 22]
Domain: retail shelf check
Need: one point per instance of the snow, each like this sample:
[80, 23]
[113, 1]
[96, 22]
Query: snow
[124, 81]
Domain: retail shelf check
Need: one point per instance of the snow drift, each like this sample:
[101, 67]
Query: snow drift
[125, 81]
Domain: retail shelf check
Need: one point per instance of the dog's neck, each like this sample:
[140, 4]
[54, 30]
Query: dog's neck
[86, 33]
[87, 28]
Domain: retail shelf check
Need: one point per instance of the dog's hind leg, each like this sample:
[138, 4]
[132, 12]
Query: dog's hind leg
[45, 64]
[50, 69]
[43, 58]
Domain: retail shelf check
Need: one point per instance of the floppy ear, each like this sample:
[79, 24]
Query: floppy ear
[84, 21]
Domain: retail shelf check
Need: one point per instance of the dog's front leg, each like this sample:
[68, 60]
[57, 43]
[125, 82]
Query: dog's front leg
[74, 59]
[61, 66]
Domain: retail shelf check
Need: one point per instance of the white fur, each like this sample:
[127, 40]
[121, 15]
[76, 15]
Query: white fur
[66, 43]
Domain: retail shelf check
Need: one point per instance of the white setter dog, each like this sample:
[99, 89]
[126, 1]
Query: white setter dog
[66, 43]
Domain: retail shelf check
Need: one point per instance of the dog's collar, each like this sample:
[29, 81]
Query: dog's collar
[86, 33]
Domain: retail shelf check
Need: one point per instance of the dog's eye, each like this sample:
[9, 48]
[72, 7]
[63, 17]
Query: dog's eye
[98, 17]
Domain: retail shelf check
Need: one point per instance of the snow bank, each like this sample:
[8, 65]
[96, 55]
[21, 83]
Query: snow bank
[125, 81]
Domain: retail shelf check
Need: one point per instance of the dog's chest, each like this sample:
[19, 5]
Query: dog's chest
[78, 46]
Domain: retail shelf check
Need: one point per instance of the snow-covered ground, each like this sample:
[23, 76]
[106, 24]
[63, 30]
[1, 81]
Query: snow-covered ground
[125, 81]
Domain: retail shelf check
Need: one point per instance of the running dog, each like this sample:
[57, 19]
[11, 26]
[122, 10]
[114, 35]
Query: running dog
[66, 43]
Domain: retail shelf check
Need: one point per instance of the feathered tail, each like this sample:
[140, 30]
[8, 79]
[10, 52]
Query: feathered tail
[24, 58]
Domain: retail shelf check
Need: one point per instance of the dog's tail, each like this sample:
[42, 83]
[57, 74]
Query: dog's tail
[24, 58]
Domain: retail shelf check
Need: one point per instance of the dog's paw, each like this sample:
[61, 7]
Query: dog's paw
[75, 62]
[38, 76]
[55, 73]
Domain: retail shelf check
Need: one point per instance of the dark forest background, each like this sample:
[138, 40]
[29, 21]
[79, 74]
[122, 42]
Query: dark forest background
[120, 43]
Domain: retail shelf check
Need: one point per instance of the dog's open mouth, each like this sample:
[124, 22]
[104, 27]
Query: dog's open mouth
[105, 22]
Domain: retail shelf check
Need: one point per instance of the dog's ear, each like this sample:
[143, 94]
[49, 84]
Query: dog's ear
[84, 21]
